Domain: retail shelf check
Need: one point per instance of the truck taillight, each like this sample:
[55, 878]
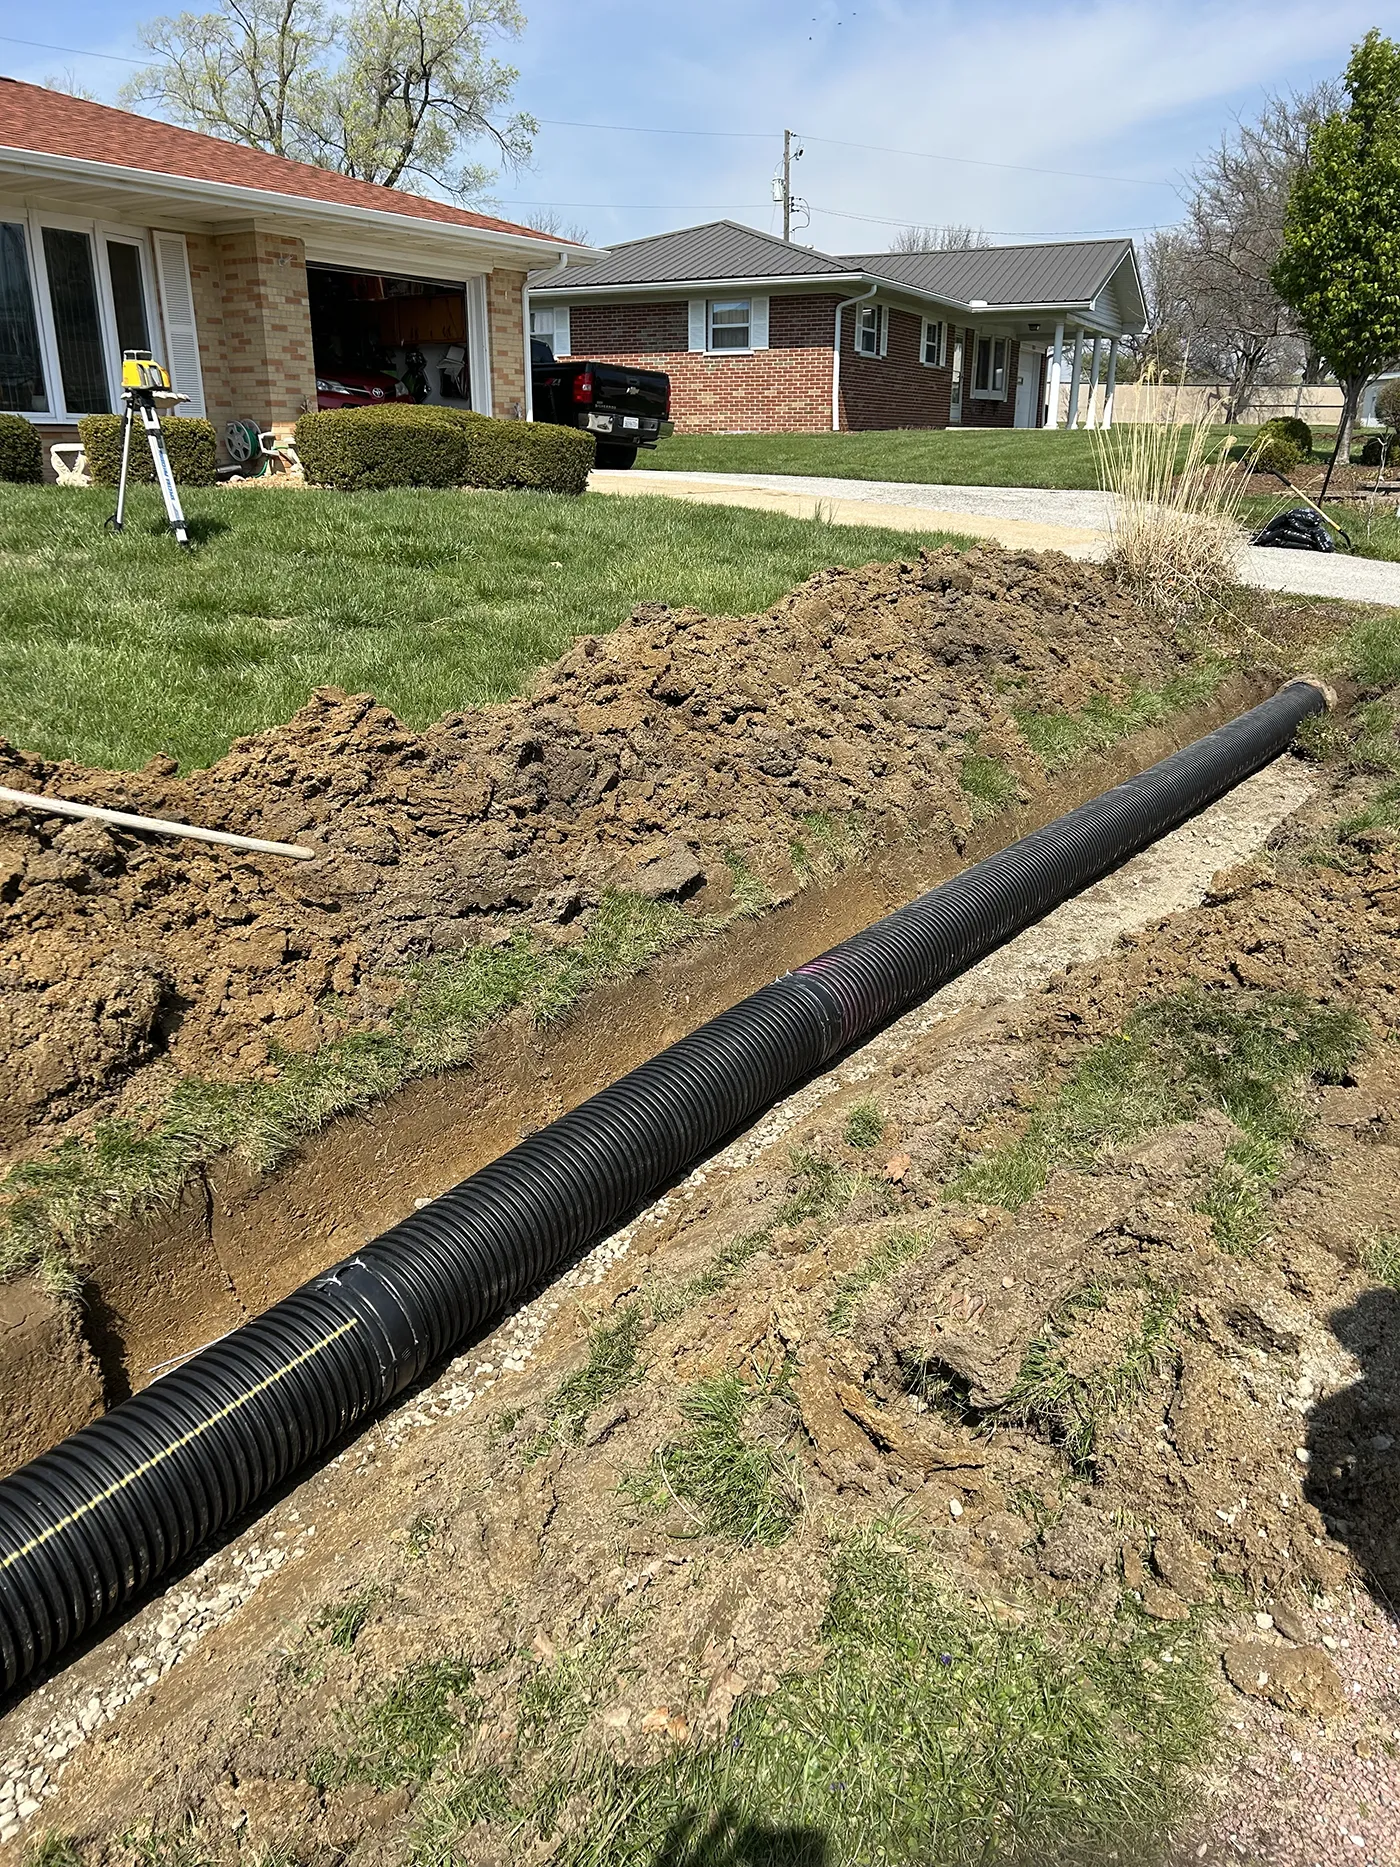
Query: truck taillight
[583, 388]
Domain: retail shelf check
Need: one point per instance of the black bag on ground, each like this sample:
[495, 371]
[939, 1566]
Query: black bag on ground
[1298, 529]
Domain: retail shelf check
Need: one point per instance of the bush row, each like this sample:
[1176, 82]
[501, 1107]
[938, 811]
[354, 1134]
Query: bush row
[408, 444]
[20, 456]
[189, 441]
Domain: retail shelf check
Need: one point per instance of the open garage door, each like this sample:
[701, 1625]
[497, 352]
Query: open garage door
[380, 337]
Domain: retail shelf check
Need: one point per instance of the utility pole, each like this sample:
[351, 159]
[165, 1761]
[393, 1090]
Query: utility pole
[782, 189]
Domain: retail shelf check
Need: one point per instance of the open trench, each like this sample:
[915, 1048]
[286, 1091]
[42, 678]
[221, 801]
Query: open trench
[161, 1285]
[62, 1748]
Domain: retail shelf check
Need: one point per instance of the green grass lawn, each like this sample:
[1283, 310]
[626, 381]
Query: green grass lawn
[113, 649]
[933, 456]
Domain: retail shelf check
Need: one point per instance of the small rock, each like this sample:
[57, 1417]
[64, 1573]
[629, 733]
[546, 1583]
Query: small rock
[1296, 1679]
[955, 1509]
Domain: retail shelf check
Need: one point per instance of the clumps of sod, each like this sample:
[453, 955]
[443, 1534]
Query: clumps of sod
[1071, 1402]
[395, 1740]
[731, 1479]
[937, 1726]
[1249, 1054]
[51, 1205]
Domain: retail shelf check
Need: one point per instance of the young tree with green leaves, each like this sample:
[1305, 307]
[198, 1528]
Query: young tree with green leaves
[388, 91]
[1339, 269]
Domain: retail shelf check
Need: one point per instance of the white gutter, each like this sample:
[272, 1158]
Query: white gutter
[268, 201]
[529, 359]
[841, 309]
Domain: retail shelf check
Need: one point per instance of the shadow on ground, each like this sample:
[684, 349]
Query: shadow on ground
[728, 1840]
[1354, 1445]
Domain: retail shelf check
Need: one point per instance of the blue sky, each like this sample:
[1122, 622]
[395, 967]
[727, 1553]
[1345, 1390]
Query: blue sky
[1094, 109]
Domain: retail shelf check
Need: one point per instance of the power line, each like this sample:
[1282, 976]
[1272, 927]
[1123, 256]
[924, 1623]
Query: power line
[1062, 233]
[39, 45]
[881, 149]
[764, 136]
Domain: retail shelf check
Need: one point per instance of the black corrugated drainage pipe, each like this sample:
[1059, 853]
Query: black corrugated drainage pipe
[88, 1525]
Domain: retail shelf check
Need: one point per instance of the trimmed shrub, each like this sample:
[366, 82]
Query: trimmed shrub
[411, 444]
[1388, 404]
[400, 444]
[1377, 449]
[536, 456]
[1291, 429]
[189, 441]
[21, 456]
[1275, 453]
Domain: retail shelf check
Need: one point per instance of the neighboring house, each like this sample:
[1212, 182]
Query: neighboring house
[760, 334]
[246, 274]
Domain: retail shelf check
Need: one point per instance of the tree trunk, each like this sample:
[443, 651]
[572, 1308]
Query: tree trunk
[1351, 396]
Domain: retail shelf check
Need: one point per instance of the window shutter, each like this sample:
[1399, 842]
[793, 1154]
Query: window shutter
[697, 324]
[758, 324]
[562, 345]
[177, 312]
[884, 318]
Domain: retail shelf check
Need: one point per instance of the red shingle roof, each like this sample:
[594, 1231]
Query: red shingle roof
[52, 123]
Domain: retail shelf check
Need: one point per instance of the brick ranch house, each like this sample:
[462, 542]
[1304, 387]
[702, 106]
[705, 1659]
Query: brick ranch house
[245, 273]
[760, 334]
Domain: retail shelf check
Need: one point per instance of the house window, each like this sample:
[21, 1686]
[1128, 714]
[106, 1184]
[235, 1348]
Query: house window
[989, 369]
[128, 295]
[72, 278]
[730, 321]
[872, 330]
[551, 322]
[931, 350]
[21, 366]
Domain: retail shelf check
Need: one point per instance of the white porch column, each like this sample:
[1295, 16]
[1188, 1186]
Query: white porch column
[1107, 421]
[1093, 383]
[1052, 386]
[1076, 370]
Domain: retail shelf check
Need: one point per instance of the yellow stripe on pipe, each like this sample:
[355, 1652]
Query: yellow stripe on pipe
[176, 1446]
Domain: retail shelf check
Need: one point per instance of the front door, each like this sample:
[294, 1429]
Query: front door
[955, 396]
[1027, 382]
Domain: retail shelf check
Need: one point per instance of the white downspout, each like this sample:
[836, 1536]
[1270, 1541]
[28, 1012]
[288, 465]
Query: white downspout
[1057, 363]
[1112, 378]
[841, 311]
[525, 291]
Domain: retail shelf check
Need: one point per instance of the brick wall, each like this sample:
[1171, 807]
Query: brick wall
[784, 389]
[268, 370]
[207, 286]
[896, 390]
[506, 330]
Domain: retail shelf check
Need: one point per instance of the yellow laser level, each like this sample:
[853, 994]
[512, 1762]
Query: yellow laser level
[146, 389]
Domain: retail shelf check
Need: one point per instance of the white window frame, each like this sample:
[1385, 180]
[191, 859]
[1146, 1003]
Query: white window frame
[939, 360]
[558, 316]
[728, 350]
[150, 297]
[991, 393]
[879, 329]
[48, 359]
[98, 232]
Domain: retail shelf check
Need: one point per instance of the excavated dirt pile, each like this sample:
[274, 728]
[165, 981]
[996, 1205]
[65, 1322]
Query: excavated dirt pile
[1154, 1388]
[640, 761]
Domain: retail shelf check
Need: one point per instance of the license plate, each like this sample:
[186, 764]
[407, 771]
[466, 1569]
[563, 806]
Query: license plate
[630, 421]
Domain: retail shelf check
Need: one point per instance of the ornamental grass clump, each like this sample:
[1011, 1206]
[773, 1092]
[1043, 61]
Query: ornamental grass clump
[1174, 513]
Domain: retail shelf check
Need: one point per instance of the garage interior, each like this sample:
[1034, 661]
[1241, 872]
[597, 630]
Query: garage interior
[378, 324]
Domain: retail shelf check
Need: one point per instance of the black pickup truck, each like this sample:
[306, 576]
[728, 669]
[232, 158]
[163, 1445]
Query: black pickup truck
[624, 409]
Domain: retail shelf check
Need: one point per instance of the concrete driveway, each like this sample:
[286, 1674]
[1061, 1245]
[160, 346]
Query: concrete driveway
[1026, 518]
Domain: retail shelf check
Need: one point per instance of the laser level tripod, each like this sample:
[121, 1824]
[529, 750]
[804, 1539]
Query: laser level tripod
[145, 391]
